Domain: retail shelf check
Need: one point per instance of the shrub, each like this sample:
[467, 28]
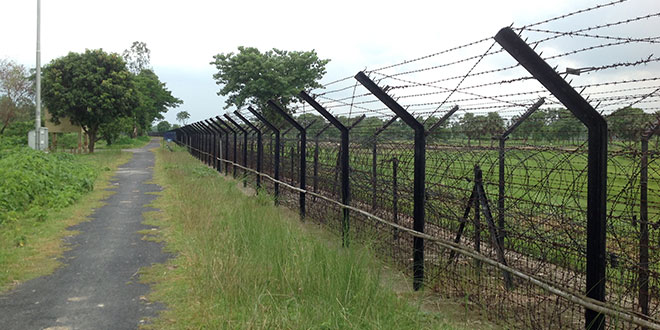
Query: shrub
[34, 181]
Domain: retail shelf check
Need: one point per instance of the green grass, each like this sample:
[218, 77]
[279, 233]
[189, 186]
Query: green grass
[243, 263]
[32, 241]
[124, 142]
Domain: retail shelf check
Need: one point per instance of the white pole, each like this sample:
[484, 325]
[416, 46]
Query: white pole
[37, 125]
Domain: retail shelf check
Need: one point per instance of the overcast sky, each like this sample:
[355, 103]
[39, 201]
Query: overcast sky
[184, 35]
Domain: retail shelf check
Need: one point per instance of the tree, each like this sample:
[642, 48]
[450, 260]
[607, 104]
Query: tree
[153, 95]
[154, 100]
[111, 131]
[251, 77]
[16, 93]
[137, 57]
[92, 89]
[532, 127]
[182, 117]
[493, 125]
[469, 126]
[628, 123]
[163, 126]
[563, 125]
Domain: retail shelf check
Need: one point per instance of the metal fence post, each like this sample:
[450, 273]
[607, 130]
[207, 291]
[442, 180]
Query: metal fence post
[213, 150]
[643, 296]
[395, 196]
[185, 137]
[316, 158]
[345, 169]
[259, 146]
[303, 151]
[374, 160]
[207, 143]
[419, 173]
[226, 144]
[201, 144]
[193, 140]
[221, 132]
[502, 141]
[233, 131]
[596, 163]
[245, 146]
[198, 140]
[284, 153]
[276, 163]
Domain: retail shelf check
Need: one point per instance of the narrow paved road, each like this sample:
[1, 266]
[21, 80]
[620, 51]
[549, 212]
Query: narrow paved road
[97, 287]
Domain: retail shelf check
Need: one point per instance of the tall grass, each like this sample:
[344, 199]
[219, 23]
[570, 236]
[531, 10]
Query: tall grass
[243, 263]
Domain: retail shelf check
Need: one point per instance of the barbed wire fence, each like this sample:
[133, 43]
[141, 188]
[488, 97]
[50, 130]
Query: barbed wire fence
[485, 170]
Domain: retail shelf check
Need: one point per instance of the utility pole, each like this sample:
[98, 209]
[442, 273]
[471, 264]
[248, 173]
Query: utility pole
[37, 121]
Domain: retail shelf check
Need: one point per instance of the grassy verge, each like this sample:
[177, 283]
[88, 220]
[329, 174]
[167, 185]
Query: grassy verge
[30, 245]
[243, 263]
[124, 142]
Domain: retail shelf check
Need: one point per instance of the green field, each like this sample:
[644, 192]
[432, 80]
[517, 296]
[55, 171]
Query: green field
[545, 192]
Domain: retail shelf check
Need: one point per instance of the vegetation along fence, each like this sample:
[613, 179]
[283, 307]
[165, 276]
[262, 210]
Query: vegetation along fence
[521, 172]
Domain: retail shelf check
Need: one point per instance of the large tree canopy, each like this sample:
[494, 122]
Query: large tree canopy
[251, 77]
[91, 89]
[154, 98]
[628, 123]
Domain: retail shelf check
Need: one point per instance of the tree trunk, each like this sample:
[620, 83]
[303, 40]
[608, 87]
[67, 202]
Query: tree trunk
[92, 140]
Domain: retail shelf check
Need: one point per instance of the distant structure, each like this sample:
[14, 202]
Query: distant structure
[65, 126]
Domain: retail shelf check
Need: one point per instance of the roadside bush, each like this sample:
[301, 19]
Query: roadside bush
[34, 181]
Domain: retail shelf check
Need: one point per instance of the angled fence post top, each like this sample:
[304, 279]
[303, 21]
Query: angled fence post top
[386, 125]
[550, 79]
[388, 101]
[323, 129]
[652, 130]
[263, 120]
[218, 127]
[226, 125]
[327, 115]
[285, 115]
[357, 121]
[596, 247]
[524, 117]
[240, 128]
[286, 131]
[308, 125]
[197, 127]
[209, 124]
[247, 122]
[442, 120]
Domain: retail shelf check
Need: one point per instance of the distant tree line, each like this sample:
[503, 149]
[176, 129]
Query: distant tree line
[547, 125]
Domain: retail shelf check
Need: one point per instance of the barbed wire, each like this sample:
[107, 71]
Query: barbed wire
[652, 40]
[581, 11]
